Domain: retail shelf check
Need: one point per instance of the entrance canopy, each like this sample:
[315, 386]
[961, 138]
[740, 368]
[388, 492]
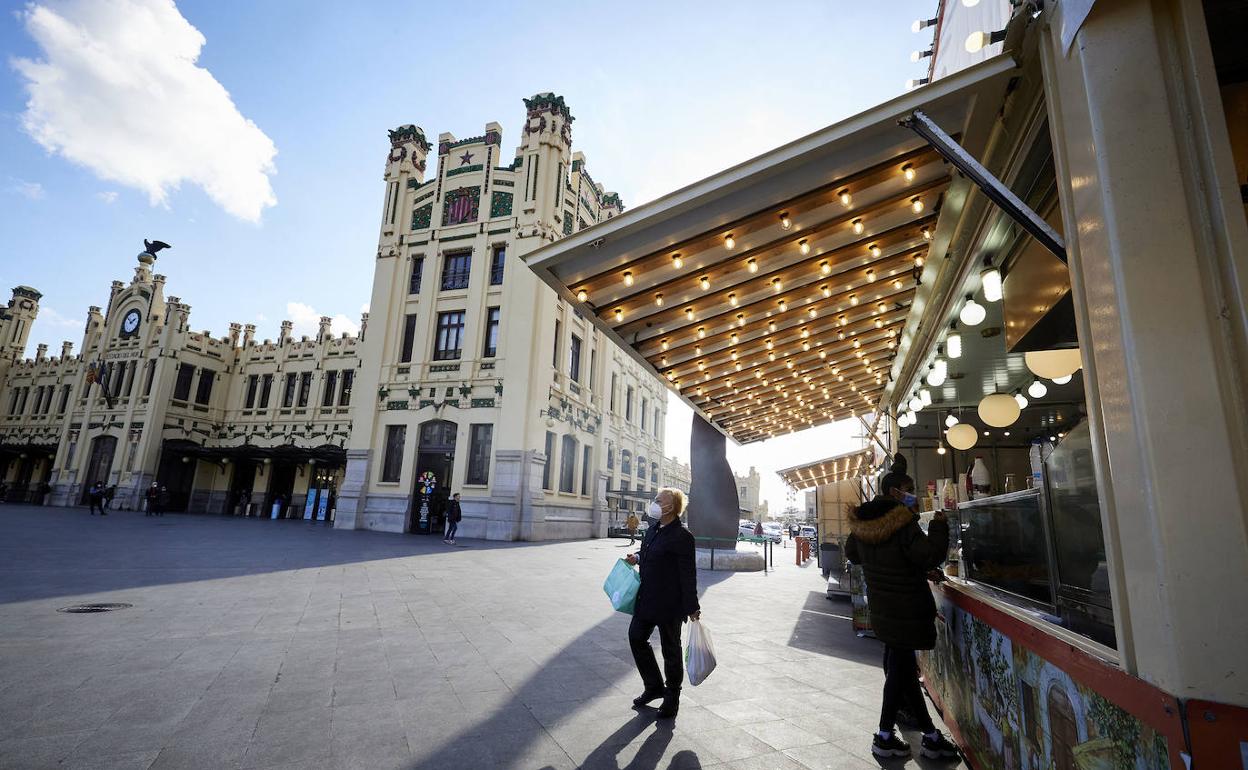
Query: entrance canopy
[772, 296]
[842, 467]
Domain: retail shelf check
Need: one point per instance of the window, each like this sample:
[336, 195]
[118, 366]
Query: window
[641, 467]
[418, 267]
[574, 360]
[480, 440]
[593, 366]
[626, 462]
[203, 393]
[151, 374]
[656, 421]
[344, 395]
[550, 456]
[554, 359]
[132, 371]
[654, 472]
[610, 456]
[266, 388]
[585, 471]
[450, 337]
[392, 460]
[116, 375]
[455, 269]
[61, 407]
[182, 385]
[567, 465]
[253, 383]
[327, 392]
[288, 393]
[497, 259]
[645, 408]
[628, 403]
[492, 316]
[305, 388]
[409, 338]
[614, 377]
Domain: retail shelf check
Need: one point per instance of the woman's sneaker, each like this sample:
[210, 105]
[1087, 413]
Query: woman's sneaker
[889, 747]
[939, 747]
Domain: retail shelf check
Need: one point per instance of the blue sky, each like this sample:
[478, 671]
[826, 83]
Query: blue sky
[271, 194]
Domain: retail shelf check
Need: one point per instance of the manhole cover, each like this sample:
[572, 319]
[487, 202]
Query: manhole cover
[106, 607]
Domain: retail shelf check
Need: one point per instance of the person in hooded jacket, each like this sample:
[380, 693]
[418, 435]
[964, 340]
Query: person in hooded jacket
[896, 557]
[668, 594]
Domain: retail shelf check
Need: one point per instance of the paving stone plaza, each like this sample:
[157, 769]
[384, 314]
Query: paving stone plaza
[282, 644]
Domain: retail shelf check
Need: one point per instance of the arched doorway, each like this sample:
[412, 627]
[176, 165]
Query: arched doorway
[1063, 733]
[99, 464]
[435, 454]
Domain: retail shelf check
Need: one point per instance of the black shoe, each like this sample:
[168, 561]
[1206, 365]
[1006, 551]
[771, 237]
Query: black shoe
[939, 747]
[651, 694]
[893, 747]
[671, 704]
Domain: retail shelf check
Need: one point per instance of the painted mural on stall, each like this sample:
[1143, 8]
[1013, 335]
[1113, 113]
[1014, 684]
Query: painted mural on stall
[1017, 711]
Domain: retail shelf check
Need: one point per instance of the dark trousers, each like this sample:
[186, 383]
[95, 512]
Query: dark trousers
[450, 529]
[643, 654]
[96, 505]
[901, 690]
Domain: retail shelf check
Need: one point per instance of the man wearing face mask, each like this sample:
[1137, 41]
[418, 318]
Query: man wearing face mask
[895, 555]
[667, 596]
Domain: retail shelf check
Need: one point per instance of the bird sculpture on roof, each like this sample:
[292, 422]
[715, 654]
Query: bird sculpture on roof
[151, 247]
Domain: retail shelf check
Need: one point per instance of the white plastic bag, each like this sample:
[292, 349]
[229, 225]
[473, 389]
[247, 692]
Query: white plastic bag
[700, 654]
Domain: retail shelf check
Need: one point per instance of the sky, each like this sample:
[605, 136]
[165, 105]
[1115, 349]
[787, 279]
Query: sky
[252, 136]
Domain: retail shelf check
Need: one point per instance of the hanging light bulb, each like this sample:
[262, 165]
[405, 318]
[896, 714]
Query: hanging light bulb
[853, 299]
[927, 233]
[628, 278]
[991, 280]
[740, 319]
[803, 246]
[785, 222]
[701, 332]
[677, 262]
[916, 205]
[751, 265]
[1021, 399]
[953, 342]
[619, 315]
[908, 170]
[1037, 389]
[940, 449]
[918, 260]
[664, 344]
[704, 282]
[972, 313]
[951, 420]
[903, 420]
[845, 197]
[784, 306]
[1062, 380]
[689, 313]
[858, 227]
[775, 284]
[936, 376]
[915, 404]
[729, 241]
[875, 250]
[582, 295]
[827, 292]
[925, 396]
[658, 300]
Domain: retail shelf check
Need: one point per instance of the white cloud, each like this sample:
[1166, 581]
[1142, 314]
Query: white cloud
[53, 318]
[32, 190]
[307, 320]
[118, 91]
[108, 196]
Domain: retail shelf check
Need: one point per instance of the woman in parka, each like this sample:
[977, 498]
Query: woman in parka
[896, 555]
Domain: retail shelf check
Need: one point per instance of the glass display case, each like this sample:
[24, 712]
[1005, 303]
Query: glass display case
[1005, 545]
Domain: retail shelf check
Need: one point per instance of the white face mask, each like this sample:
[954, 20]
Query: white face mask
[653, 510]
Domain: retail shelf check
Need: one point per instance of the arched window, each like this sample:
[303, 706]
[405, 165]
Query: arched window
[626, 462]
[641, 467]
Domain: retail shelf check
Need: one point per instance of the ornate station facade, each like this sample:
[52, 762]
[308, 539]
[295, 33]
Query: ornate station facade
[470, 376]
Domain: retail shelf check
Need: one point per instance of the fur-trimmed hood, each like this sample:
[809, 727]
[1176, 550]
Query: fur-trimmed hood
[877, 520]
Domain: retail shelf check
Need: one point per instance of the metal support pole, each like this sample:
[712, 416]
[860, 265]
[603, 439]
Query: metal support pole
[994, 188]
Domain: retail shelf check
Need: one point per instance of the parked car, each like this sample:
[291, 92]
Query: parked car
[807, 531]
[773, 531]
[746, 529]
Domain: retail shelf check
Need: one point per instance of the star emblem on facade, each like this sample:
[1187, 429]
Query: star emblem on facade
[465, 159]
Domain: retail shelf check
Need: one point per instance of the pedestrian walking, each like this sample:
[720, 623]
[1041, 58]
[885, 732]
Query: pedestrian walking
[453, 515]
[631, 524]
[896, 556]
[758, 528]
[109, 492]
[152, 496]
[95, 498]
[162, 500]
[667, 596]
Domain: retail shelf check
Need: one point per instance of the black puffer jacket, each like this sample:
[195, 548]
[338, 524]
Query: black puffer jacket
[885, 538]
[669, 575]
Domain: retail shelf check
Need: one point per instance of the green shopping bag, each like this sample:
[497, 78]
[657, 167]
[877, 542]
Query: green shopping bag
[621, 586]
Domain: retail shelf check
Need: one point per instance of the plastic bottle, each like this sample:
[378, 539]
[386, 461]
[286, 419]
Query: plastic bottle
[981, 478]
[1037, 467]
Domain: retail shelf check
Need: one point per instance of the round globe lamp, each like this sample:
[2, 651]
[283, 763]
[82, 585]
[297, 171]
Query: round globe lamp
[999, 410]
[962, 436]
[1052, 364]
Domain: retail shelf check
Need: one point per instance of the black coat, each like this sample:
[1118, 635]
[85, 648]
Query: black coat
[669, 577]
[885, 538]
[453, 512]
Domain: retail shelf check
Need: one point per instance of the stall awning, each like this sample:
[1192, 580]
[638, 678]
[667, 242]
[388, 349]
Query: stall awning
[849, 465]
[770, 296]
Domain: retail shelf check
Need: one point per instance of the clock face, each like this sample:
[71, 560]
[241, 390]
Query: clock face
[130, 324]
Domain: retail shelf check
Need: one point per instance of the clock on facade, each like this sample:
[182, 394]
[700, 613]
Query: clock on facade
[130, 323]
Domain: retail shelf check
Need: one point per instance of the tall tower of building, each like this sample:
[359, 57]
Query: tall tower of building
[15, 321]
